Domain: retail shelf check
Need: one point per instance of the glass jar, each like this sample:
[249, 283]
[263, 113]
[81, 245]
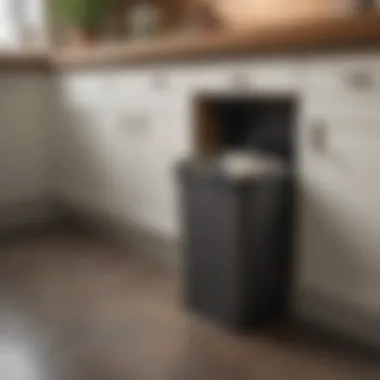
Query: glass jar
[143, 19]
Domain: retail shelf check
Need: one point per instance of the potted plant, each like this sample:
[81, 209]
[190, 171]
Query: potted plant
[84, 18]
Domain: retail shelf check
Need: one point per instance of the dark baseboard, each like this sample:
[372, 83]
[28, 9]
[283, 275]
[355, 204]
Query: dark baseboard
[135, 240]
[30, 217]
[27, 217]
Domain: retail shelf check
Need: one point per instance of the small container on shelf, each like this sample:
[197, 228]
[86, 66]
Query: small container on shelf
[359, 6]
[143, 19]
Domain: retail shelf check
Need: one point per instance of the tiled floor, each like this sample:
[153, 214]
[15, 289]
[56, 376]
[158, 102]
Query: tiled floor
[74, 307]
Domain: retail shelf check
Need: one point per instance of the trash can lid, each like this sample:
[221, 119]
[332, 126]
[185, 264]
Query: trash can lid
[242, 165]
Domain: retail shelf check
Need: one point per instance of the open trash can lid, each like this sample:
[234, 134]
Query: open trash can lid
[248, 165]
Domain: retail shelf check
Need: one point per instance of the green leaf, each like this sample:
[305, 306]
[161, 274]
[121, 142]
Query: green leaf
[86, 14]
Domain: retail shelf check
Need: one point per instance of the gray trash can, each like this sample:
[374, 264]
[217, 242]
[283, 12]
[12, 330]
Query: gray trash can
[237, 235]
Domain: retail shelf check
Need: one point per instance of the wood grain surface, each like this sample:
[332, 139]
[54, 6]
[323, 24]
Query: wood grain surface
[321, 33]
[25, 60]
[75, 307]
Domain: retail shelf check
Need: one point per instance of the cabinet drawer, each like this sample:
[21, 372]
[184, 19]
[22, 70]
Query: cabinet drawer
[278, 76]
[86, 88]
[138, 87]
[234, 78]
[326, 138]
[349, 85]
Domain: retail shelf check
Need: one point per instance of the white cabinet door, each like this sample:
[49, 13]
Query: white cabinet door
[128, 134]
[103, 135]
[340, 192]
[85, 156]
[128, 107]
[24, 164]
[344, 84]
[159, 188]
[255, 77]
[143, 159]
[87, 88]
[167, 141]
[149, 136]
[339, 254]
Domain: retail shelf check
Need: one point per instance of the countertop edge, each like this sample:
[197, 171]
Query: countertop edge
[322, 34]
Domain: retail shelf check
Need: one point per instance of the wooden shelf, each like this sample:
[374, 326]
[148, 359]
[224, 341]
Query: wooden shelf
[319, 34]
[26, 60]
[354, 32]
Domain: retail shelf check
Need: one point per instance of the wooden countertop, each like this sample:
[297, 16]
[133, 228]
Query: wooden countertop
[25, 60]
[348, 32]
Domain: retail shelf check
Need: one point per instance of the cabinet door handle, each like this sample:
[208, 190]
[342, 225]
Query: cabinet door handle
[160, 82]
[241, 81]
[319, 135]
[360, 80]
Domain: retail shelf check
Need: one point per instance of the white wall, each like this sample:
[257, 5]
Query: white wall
[24, 144]
[9, 31]
[22, 22]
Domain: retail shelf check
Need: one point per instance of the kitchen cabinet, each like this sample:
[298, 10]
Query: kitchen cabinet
[340, 233]
[146, 117]
[125, 143]
[338, 262]
[128, 128]
[120, 146]
[148, 141]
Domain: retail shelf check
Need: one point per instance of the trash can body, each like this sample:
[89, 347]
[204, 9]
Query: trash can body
[236, 246]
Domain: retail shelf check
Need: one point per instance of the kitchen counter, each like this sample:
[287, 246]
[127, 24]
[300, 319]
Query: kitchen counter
[334, 33]
[321, 34]
[26, 60]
